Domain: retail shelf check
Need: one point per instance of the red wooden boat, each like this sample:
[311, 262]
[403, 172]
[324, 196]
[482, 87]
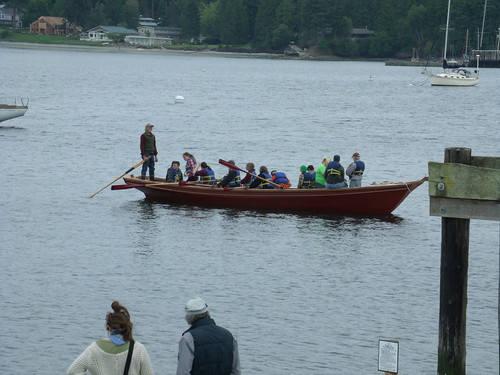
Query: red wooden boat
[373, 199]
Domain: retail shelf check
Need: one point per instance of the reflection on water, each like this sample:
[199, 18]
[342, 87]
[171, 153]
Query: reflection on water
[236, 212]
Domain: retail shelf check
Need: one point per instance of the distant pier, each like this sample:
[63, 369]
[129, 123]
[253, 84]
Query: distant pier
[487, 58]
[412, 62]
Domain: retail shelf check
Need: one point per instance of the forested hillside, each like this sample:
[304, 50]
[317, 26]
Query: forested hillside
[269, 25]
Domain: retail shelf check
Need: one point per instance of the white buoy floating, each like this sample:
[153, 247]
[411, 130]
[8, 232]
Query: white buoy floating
[179, 99]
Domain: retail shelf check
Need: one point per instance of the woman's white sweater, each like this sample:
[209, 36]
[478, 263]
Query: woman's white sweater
[98, 362]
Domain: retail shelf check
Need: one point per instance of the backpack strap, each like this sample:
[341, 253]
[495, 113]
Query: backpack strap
[129, 357]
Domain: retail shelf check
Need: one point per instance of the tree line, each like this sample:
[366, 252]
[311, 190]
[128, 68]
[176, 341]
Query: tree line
[400, 26]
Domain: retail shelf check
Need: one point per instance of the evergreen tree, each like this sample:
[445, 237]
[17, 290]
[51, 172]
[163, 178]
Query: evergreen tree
[266, 22]
[96, 17]
[208, 22]
[113, 9]
[34, 9]
[76, 11]
[233, 22]
[130, 14]
[190, 20]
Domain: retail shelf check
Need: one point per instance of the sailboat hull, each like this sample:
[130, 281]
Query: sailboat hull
[8, 112]
[453, 79]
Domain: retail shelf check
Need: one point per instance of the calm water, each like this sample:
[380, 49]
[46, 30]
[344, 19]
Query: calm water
[302, 294]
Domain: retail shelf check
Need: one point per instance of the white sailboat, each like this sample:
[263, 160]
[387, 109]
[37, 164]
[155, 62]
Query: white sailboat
[453, 74]
[13, 110]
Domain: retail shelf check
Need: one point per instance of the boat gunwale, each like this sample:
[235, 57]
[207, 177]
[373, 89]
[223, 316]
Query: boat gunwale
[207, 190]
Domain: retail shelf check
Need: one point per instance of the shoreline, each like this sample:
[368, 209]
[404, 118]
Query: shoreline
[124, 49]
[166, 51]
[132, 49]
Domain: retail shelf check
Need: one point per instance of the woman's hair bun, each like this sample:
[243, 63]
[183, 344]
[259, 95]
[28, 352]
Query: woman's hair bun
[115, 305]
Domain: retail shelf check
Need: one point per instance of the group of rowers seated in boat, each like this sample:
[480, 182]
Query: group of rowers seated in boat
[330, 174]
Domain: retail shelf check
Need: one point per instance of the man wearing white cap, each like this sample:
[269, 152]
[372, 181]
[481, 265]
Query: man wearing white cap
[206, 348]
[355, 171]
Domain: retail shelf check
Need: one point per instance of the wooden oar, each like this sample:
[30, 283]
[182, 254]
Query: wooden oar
[232, 166]
[133, 186]
[159, 184]
[116, 179]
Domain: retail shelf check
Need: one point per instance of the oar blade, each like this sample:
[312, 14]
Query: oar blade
[229, 165]
[126, 186]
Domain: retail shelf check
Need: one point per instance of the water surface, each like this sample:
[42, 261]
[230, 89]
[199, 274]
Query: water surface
[303, 294]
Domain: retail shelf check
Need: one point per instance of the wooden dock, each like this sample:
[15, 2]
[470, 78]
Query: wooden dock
[464, 187]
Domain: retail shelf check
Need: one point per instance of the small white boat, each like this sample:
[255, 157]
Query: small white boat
[453, 74]
[13, 109]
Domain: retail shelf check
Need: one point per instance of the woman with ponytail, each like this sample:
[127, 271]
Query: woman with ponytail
[117, 353]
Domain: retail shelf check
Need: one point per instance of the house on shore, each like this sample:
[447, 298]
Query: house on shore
[47, 25]
[147, 41]
[7, 17]
[154, 36]
[362, 33]
[106, 33]
[173, 33]
[146, 21]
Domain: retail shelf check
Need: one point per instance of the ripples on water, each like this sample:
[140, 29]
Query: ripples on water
[303, 294]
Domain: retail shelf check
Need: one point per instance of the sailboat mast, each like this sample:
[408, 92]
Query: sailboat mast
[446, 34]
[482, 29]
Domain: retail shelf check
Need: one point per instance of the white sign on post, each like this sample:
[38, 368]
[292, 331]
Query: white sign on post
[388, 356]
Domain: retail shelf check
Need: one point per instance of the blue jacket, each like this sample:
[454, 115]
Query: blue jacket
[266, 184]
[360, 168]
[309, 180]
[280, 178]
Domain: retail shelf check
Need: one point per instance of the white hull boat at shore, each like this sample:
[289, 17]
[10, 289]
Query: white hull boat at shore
[9, 111]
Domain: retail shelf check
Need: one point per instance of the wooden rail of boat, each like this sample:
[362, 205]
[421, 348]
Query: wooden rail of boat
[381, 198]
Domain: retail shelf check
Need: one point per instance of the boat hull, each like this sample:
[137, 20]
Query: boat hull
[373, 199]
[453, 79]
[8, 112]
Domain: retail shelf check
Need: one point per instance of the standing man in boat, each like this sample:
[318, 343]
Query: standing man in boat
[206, 348]
[355, 171]
[148, 150]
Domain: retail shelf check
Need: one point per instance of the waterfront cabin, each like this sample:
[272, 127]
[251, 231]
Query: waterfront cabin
[173, 33]
[105, 33]
[10, 18]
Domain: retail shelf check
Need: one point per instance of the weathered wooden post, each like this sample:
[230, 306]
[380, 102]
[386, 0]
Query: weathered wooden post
[453, 290]
[462, 188]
